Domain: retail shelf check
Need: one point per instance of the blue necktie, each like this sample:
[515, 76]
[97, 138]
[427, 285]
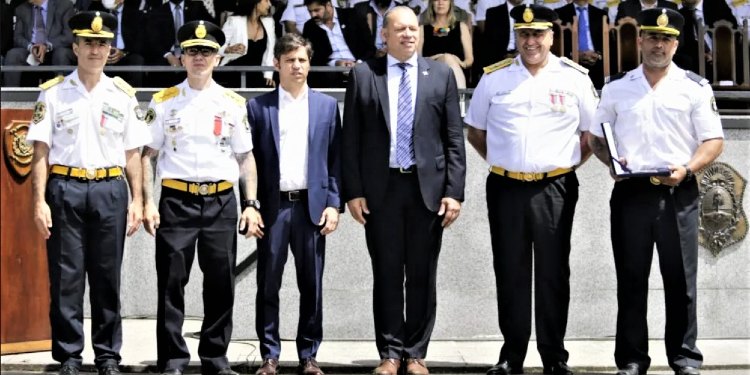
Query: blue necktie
[404, 121]
[583, 30]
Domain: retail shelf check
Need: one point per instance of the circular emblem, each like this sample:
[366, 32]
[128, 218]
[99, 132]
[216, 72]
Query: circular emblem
[528, 15]
[200, 31]
[655, 180]
[662, 20]
[714, 107]
[139, 113]
[150, 116]
[96, 24]
[39, 112]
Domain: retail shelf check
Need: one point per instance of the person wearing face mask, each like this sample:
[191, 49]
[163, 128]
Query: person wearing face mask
[660, 115]
[529, 118]
[404, 170]
[127, 45]
[201, 137]
[250, 39]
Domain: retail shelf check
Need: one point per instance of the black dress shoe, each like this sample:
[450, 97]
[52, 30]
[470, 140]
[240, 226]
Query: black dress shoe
[559, 368]
[109, 370]
[68, 370]
[226, 371]
[504, 368]
[173, 371]
[630, 369]
[687, 370]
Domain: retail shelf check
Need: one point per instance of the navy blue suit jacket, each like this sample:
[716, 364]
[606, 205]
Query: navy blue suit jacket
[323, 153]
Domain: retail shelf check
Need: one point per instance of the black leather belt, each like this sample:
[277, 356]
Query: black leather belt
[293, 195]
[411, 169]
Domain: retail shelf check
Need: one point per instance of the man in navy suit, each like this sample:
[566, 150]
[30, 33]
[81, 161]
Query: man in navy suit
[297, 151]
[404, 168]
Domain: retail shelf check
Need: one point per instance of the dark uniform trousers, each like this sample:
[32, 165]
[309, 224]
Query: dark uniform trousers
[403, 238]
[291, 228]
[87, 239]
[643, 215]
[523, 215]
[209, 221]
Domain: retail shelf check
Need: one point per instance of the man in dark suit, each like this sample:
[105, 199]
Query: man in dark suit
[497, 38]
[339, 38]
[696, 13]
[590, 44]
[128, 42]
[163, 48]
[631, 8]
[404, 167]
[46, 40]
[296, 133]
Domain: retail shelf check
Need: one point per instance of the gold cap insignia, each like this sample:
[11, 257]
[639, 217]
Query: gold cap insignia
[528, 15]
[662, 20]
[96, 23]
[200, 31]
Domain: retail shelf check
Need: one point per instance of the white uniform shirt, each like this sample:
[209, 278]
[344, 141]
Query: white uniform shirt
[394, 80]
[198, 133]
[655, 127]
[88, 129]
[552, 4]
[296, 12]
[294, 121]
[533, 123]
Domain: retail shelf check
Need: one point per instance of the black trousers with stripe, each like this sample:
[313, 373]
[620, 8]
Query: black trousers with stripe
[531, 223]
[643, 215]
[208, 223]
[87, 240]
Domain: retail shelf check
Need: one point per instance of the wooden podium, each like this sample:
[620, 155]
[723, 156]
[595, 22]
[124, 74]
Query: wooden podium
[24, 285]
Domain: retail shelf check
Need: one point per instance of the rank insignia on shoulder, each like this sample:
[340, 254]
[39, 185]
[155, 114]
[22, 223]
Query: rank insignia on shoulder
[497, 66]
[574, 65]
[150, 116]
[166, 94]
[615, 77]
[51, 82]
[237, 98]
[124, 86]
[40, 110]
[696, 78]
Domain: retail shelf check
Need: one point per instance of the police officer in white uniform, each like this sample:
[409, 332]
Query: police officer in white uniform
[527, 118]
[202, 141]
[86, 129]
[662, 116]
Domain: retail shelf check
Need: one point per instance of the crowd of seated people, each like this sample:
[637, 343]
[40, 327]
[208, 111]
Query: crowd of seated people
[465, 34]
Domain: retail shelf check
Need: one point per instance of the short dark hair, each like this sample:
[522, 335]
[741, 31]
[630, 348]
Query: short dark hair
[318, 2]
[245, 7]
[290, 42]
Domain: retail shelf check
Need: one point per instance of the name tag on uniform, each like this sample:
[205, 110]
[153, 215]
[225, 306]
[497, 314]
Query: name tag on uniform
[112, 112]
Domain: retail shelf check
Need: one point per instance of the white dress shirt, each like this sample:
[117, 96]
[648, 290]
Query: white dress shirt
[88, 129]
[294, 122]
[655, 127]
[198, 134]
[533, 123]
[394, 80]
[340, 49]
[379, 22]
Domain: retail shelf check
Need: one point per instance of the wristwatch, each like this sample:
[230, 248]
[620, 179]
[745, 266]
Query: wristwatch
[254, 203]
[688, 173]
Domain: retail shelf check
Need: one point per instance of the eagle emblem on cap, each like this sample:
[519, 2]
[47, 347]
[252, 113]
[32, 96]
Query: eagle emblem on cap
[662, 20]
[96, 23]
[528, 15]
[200, 30]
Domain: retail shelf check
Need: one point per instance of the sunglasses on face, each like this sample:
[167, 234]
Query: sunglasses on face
[204, 51]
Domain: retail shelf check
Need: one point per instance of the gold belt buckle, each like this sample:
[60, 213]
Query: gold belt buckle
[203, 189]
[528, 176]
[90, 173]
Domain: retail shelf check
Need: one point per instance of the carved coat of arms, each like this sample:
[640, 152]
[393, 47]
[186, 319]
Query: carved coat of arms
[722, 219]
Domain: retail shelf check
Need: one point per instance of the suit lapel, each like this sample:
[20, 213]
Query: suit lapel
[423, 73]
[381, 86]
[50, 16]
[273, 116]
[312, 105]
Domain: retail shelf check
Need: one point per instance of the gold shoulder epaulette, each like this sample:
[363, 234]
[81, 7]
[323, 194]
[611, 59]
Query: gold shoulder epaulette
[124, 86]
[497, 66]
[574, 65]
[166, 94]
[237, 98]
[51, 82]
